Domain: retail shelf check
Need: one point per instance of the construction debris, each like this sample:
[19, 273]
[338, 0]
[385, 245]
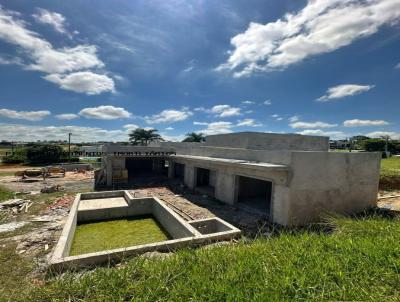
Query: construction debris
[12, 226]
[51, 189]
[63, 202]
[31, 173]
[16, 202]
[55, 171]
[12, 207]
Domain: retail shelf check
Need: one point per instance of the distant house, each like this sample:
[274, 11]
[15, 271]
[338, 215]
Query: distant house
[90, 150]
[339, 144]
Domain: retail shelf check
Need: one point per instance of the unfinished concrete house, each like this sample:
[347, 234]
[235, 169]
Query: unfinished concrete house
[291, 178]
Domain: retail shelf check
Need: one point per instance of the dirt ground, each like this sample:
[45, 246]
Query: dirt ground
[389, 200]
[72, 182]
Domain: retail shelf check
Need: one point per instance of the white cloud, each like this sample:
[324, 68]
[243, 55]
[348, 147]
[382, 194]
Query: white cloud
[277, 117]
[294, 118]
[190, 66]
[24, 115]
[397, 66]
[63, 60]
[308, 125]
[169, 116]
[341, 91]
[42, 56]
[364, 123]
[248, 122]
[56, 20]
[225, 110]
[45, 57]
[248, 102]
[322, 26]
[169, 129]
[217, 128]
[29, 133]
[221, 110]
[67, 116]
[130, 127]
[200, 123]
[107, 112]
[267, 102]
[319, 132]
[83, 81]
[377, 134]
[8, 60]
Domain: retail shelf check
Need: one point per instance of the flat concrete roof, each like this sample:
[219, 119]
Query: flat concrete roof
[236, 162]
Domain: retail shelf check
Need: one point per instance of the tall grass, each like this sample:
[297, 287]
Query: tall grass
[359, 260]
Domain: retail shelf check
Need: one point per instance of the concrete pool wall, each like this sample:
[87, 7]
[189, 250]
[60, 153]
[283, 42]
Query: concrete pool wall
[97, 206]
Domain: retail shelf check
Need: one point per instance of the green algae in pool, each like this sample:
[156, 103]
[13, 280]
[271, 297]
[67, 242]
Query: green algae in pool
[112, 234]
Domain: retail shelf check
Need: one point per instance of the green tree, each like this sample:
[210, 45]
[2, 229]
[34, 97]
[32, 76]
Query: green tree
[357, 141]
[378, 144]
[18, 157]
[43, 154]
[194, 137]
[143, 137]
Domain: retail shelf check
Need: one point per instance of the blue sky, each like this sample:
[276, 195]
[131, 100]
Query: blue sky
[100, 69]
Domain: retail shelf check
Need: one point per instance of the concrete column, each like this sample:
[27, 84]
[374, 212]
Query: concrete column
[225, 187]
[280, 204]
[190, 176]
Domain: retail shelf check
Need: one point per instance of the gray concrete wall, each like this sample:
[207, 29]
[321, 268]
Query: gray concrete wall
[331, 182]
[269, 156]
[171, 222]
[269, 141]
[225, 187]
[190, 175]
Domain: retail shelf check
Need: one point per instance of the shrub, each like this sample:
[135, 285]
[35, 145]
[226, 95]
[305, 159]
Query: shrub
[378, 144]
[43, 154]
[18, 157]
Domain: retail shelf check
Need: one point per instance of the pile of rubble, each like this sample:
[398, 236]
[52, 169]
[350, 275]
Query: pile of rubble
[16, 205]
[64, 202]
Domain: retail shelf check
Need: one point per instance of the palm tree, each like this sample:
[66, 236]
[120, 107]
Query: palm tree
[194, 137]
[143, 137]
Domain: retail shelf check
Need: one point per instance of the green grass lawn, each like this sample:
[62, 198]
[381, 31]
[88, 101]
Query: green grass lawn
[359, 260]
[390, 166]
[390, 174]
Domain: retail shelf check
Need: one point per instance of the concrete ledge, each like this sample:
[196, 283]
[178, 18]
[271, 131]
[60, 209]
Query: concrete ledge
[235, 162]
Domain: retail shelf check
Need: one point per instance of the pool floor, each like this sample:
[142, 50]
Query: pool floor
[116, 233]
